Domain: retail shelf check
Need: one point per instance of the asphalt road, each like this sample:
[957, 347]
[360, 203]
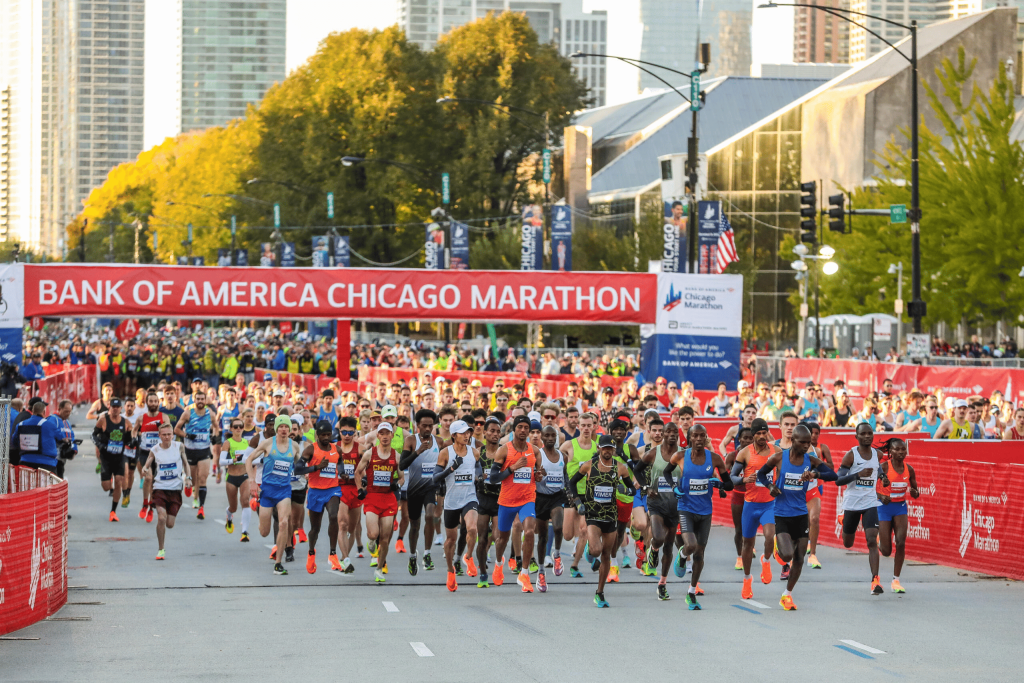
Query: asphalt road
[214, 609]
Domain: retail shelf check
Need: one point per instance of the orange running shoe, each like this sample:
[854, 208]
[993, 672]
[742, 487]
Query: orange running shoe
[499, 574]
[399, 546]
[453, 583]
[335, 562]
[524, 581]
[766, 572]
[876, 585]
[786, 601]
[302, 536]
[113, 516]
[896, 587]
[201, 514]
[470, 565]
[512, 564]
[542, 583]
[311, 563]
[142, 512]
[748, 589]
[149, 515]
[698, 590]
[273, 552]
[613, 575]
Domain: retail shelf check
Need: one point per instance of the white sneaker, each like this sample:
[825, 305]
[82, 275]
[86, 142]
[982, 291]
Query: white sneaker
[689, 566]
[439, 540]
[548, 562]
[373, 561]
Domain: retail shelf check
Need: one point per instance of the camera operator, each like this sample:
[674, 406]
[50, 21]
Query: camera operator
[37, 437]
[10, 378]
[67, 449]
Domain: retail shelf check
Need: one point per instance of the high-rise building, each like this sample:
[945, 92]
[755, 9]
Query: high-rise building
[863, 45]
[820, 37]
[561, 22]
[71, 93]
[230, 53]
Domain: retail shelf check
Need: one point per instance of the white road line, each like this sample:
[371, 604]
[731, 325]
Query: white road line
[267, 545]
[755, 603]
[422, 650]
[862, 646]
[390, 606]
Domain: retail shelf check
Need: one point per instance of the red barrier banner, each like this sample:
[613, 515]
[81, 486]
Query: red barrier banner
[33, 553]
[77, 383]
[313, 384]
[330, 294]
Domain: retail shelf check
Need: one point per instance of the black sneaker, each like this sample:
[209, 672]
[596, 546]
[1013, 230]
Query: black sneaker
[652, 559]
[662, 592]
[785, 572]
[279, 569]
[413, 566]
[428, 564]
[458, 567]
[595, 565]
[289, 554]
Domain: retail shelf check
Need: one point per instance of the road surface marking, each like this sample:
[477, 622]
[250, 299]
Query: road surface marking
[422, 650]
[755, 603]
[390, 606]
[746, 609]
[854, 652]
[862, 646]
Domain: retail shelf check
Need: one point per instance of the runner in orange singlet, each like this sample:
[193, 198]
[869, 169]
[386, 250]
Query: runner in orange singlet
[892, 514]
[324, 492]
[758, 504]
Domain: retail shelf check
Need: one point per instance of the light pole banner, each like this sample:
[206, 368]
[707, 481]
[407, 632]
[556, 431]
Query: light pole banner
[532, 257]
[561, 238]
[710, 225]
[268, 255]
[223, 257]
[321, 251]
[342, 255]
[673, 258]
[242, 257]
[434, 248]
[697, 334]
[460, 246]
[12, 312]
[287, 254]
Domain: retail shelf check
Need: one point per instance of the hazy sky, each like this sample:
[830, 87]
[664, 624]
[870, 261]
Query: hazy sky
[309, 21]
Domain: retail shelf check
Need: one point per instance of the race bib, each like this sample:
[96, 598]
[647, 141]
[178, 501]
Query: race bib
[427, 470]
[555, 480]
[663, 486]
[129, 453]
[463, 478]
[282, 467]
[770, 477]
[115, 447]
[898, 490]
[149, 440]
[523, 475]
[237, 456]
[381, 478]
[330, 471]
[198, 441]
[603, 494]
[168, 471]
[792, 482]
[865, 483]
[349, 469]
[699, 487]
[29, 442]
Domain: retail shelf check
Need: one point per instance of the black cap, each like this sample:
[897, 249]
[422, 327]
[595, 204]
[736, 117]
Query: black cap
[759, 425]
[323, 427]
[520, 419]
[197, 379]
[607, 390]
[36, 399]
[618, 424]
[115, 403]
[606, 442]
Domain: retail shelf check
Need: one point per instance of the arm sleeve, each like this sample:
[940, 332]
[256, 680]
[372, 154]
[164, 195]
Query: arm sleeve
[628, 484]
[408, 456]
[844, 477]
[826, 473]
[762, 475]
[638, 467]
[498, 475]
[573, 481]
[225, 456]
[737, 473]
[726, 484]
[668, 477]
[438, 477]
[305, 469]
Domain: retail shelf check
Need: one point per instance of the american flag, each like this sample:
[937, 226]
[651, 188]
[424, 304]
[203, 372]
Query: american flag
[726, 247]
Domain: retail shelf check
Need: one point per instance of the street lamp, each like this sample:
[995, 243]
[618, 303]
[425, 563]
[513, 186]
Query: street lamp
[828, 267]
[894, 269]
[917, 308]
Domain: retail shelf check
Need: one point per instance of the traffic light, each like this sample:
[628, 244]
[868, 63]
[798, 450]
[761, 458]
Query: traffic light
[837, 213]
[809, 212]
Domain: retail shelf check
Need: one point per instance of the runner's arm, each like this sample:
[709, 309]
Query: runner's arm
[497, 475]
[570, 489]
[723, 472]
[627, 479]
[179, 428]
[723, 445]
[737, 472]
[825, 473]
[912, 476]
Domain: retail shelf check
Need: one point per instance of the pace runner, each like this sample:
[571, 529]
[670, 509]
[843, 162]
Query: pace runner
[662, 506]
[487, 498]
[111, 433]
[550, 503]
[380, 464]
[456, 466]
[168, 467]
[200, 431]
[147, 432]
[859, 473]
[744, 437]
[419, 461]
[758, 505]
[814, 494]
[274, 492]
[578, 451]
[892, 514]
[324, 492]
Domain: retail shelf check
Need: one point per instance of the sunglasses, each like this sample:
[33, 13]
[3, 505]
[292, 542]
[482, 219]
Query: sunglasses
[347, 432]
[479, 424]
[236, 426]
[549, 416]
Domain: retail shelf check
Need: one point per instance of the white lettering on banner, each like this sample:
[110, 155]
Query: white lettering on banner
[380, 298]
[258, 290]
[238, 294]
[330, 295]
[191, 294]
[135, 292]
[507, 298]
[918, 531]
[408, 296]
[600, 298]
[700, 305]
[308, 296]
[565, 295]
[162, 291]
[580, 298]
[69, 293]
[95, 294]
[353, 295]
[670, 237]
[526, 295]
[457, 293]
[547, 298]
[218, 299]
[427, 300]
[47, 292]
[111, 293]
[280, 294]
[477, 301]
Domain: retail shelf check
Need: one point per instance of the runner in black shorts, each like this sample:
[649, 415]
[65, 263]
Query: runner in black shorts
[662, 505]
[111, 435]
[487, 496]
[200, 431]
[550, 502]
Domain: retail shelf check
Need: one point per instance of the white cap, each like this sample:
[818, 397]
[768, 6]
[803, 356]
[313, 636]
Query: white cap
[298, 419]
[743, 384]
[533, 415]
[459, 427]
[960, 403]
[385, 426]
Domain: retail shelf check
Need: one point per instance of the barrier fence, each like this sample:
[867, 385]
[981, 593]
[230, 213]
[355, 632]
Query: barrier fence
[78, 383]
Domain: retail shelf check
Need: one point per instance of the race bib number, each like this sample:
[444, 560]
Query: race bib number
[129, 453]
[865, 483]
[115, 447]
[349, 469]
[198, 441]
[282, 467]
[523, 475]
[236, 456]
[149, 440]
[168, 471]
[770, 477]
[427, 470]
[898, 490]
[792, 482]
[463, 478]
[663, 486]
[603, 494]
[29, 442]
[382, 478]
[555, 480]
[699, 487]
[330, 471]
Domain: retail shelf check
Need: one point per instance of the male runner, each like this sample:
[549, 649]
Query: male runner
[957, 426]
[419, 459]
[630, 506]
[730, 442]
[130, 450]
[147, 432]
[744, 437]
[487, 498]
[200, 432]
[349, 508]
[662, 505]
[892, 513]
[859, 473]
[168, 467]
[578, 451]
[758, 505]
[380, 464]
[228, 411]
[550, 502]
[456, 466]
[814, 494]
[1015, 432]
[787, 423]
[324, 492]
[274, 491]
[111, 433]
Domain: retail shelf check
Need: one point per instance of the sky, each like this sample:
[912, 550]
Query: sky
[309, 21]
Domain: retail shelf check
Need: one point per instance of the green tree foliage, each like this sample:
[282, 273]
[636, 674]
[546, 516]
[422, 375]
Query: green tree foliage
[972, 200]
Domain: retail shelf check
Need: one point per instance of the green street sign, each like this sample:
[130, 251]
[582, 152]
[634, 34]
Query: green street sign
[330, 205]
[234, 226]
[898, 213]
[695, 90]
[446, 188]
[546, 157]
[277, 215]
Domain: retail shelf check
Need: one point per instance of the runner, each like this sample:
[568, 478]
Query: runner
[730, 442]
[147, 432]
[662, 506]
[419, 461]
[550, 501]
[227, 412]
[814, 494]
[168, 467]
[892, 513]
[758, 504]
[232, 456]
[110, 435]
[632, 509]
[1015, 432]
[859, 473]
[378, 494]
[603, 475]
[744, 437]
[200, 432]
[130, 448]
[324, 492]
[487, 499]
[350, 505]
[787, 423]
[697, 467]
[456, 466]
[796, 467]
[274, 492]
[578, 451]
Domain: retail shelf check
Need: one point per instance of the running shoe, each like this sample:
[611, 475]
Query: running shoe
[599, 600]
[534, 567]
[428, 563]
[439, 540]
[586, 553]
[470, 565]
[575, 573]
[626, 561]
[812, 561]
[698, 590]
[149, 515]
[359, 552]
[896, 587]
[160, 554]
[280, 570]
[347, 566]
[548, 562]
[452, 583]
[766, 571]
[335, 562]
[458, 567]
[499, 573]
[245, 537]
[399, 546]
[638, 549]
[302, 535]
[482, 581]
[542, 583]
[652, 558]
[195, 503]
[778, 558]
[524, 582]
[613, 574]
[127, 498]
[289, 554]
[142, 512]
[513, 564]
[384, 568]
[372, 547]
[663, 591]
[748, 589]
[414, 566]
[201, 514]
[378, 576]
[113, 516]
[311, 562]
[876, 586]
[739, 564]
[373, 561]
[558, 566]
[229, 526]
[689, 565]
[273, 552]
[785, 572]
[786, 602]
[691, 602]
[595, 566]
[678, 566]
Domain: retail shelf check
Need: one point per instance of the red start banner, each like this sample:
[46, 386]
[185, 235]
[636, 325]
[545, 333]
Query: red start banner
[339, 293]
[863, 377]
